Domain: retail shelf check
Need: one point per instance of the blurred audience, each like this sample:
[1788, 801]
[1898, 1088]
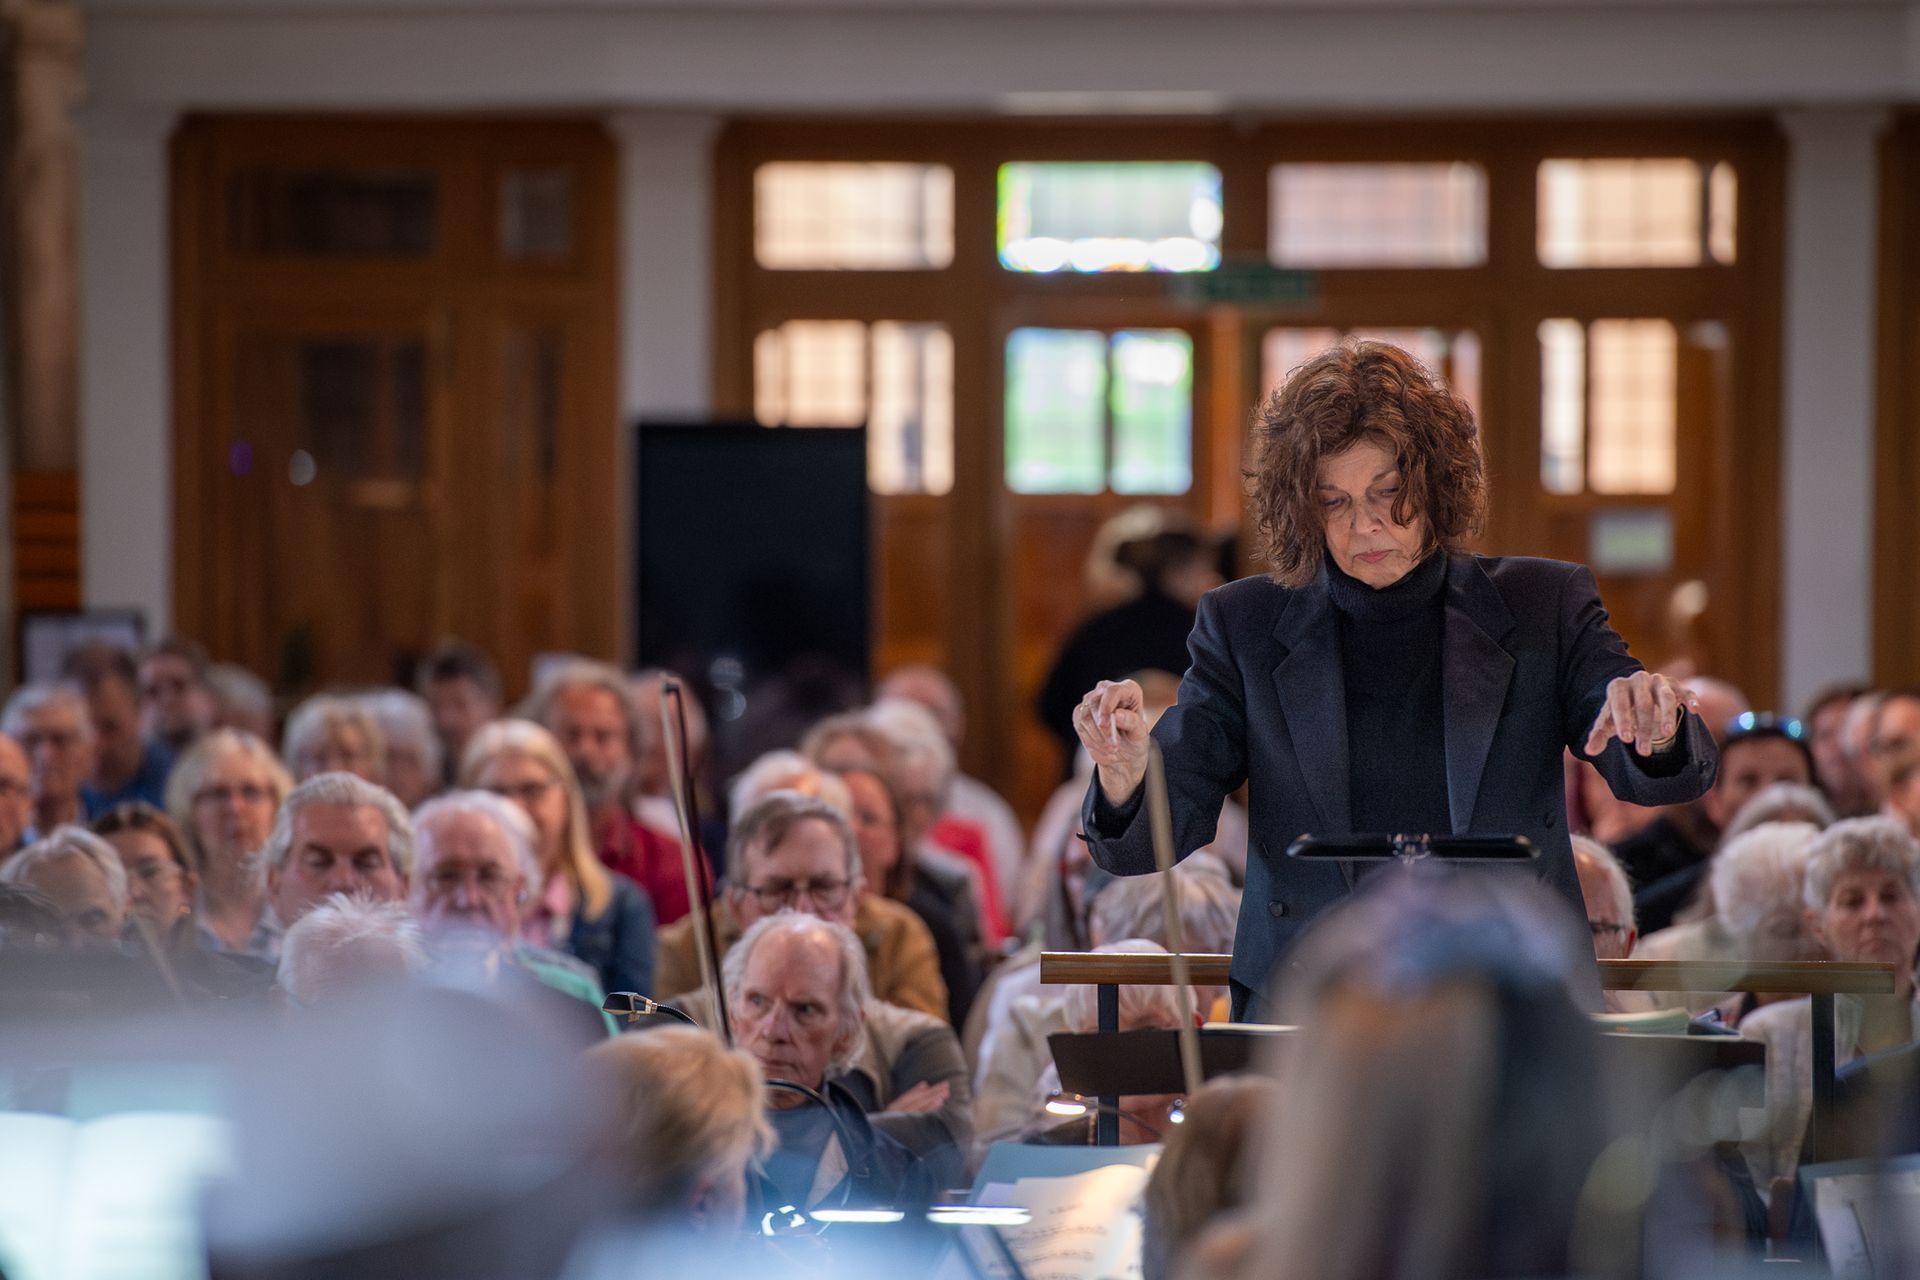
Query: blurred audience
[1862, 897]
[16, 795]
[462, 690]
[333, 733]
[336, 833]
[1171, 567]
[577, 906]
[1755, 752]
[413, 768]
[80, 874]
[51, 723]
[241, 700]
[589, 709]
[652, 789]
[1840, 774]
[1756, 879]
[969, 800]
[349, 947]
[473, 866]
[888, 867]
[126, 766]
[176, 705]
[224, 794]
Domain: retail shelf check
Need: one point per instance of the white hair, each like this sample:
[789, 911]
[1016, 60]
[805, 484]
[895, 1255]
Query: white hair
[854, 993]
[509, 818]
[1758, 873]
[1861, 844]
[406, 722]
[346, 791]
[235, 686]
[784, 770]
[1617, 883]
[923, 753]
[319, 715]
[1140, 1006]
[29, 698]
[65, 842]
[1134, 907]
[1781, 802]
[347, 942]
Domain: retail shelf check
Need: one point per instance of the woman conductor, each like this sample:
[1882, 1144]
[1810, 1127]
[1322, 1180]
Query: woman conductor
[1380, 679]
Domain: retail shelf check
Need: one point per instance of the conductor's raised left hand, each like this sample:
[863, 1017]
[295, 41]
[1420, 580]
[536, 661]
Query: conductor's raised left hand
[1642, 710]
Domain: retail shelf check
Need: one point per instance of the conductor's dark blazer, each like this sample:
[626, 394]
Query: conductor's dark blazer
[1527, 657]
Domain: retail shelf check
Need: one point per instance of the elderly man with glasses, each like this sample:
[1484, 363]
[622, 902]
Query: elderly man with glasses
[789, 851]
[793, 853]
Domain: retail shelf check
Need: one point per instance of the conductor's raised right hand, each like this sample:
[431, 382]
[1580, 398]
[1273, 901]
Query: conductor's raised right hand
[1112, 724]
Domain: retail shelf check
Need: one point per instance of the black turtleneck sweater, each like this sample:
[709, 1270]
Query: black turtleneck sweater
[1390, 644]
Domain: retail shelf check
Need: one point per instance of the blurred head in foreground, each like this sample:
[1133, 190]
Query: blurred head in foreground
[689, 1120]
[1441, 1102]
[1201, 1172]
[348, 946]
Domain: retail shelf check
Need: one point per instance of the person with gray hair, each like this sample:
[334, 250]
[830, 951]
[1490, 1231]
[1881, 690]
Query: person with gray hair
[798, 851]
[1862, 897]
[51, 723]
[590, 709]
[82, 876]
[413, 764]
[1755, 879]
[335, 834]
[333, 733]
[241, 700]
[797, 995]
[473, 870]
[349, 945]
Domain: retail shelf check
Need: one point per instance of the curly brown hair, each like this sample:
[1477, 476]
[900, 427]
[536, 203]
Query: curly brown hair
[1361, 390]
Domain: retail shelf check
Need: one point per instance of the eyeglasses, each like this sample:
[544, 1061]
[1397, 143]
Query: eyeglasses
[828, 895]
[1604, 928]
[245, 793]
[12, 788]
[154, 871]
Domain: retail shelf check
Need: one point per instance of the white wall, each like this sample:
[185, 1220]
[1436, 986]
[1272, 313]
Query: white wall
[126, 476]
[1828, 407]
[665, 72]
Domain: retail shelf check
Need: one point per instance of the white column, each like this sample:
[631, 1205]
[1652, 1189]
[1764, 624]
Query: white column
[126, 436]
[666, 291]
[1828, 397]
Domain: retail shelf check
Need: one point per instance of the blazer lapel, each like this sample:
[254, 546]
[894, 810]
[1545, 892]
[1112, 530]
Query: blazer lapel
[1475, 673]
[1313, 700]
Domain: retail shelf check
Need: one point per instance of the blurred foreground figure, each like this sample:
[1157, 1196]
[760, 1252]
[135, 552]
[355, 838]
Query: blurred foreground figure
[347, 947]
[1440, 1109]
[474, 864]
[688, 1125]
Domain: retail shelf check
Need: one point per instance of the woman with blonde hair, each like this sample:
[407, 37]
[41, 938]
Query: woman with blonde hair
[224, 794]
[578, 906]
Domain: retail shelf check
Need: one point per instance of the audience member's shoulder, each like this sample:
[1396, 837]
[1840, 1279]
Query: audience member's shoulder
[896, 1024]
[876, 912]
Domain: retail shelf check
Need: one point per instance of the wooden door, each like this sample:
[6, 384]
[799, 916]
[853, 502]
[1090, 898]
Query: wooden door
[395, 419]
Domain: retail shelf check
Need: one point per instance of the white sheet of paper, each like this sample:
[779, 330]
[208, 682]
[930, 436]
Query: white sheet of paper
[1085, 1227]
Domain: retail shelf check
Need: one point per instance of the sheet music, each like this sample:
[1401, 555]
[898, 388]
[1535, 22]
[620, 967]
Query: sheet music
[1085, 1227]
[1869, 1223]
